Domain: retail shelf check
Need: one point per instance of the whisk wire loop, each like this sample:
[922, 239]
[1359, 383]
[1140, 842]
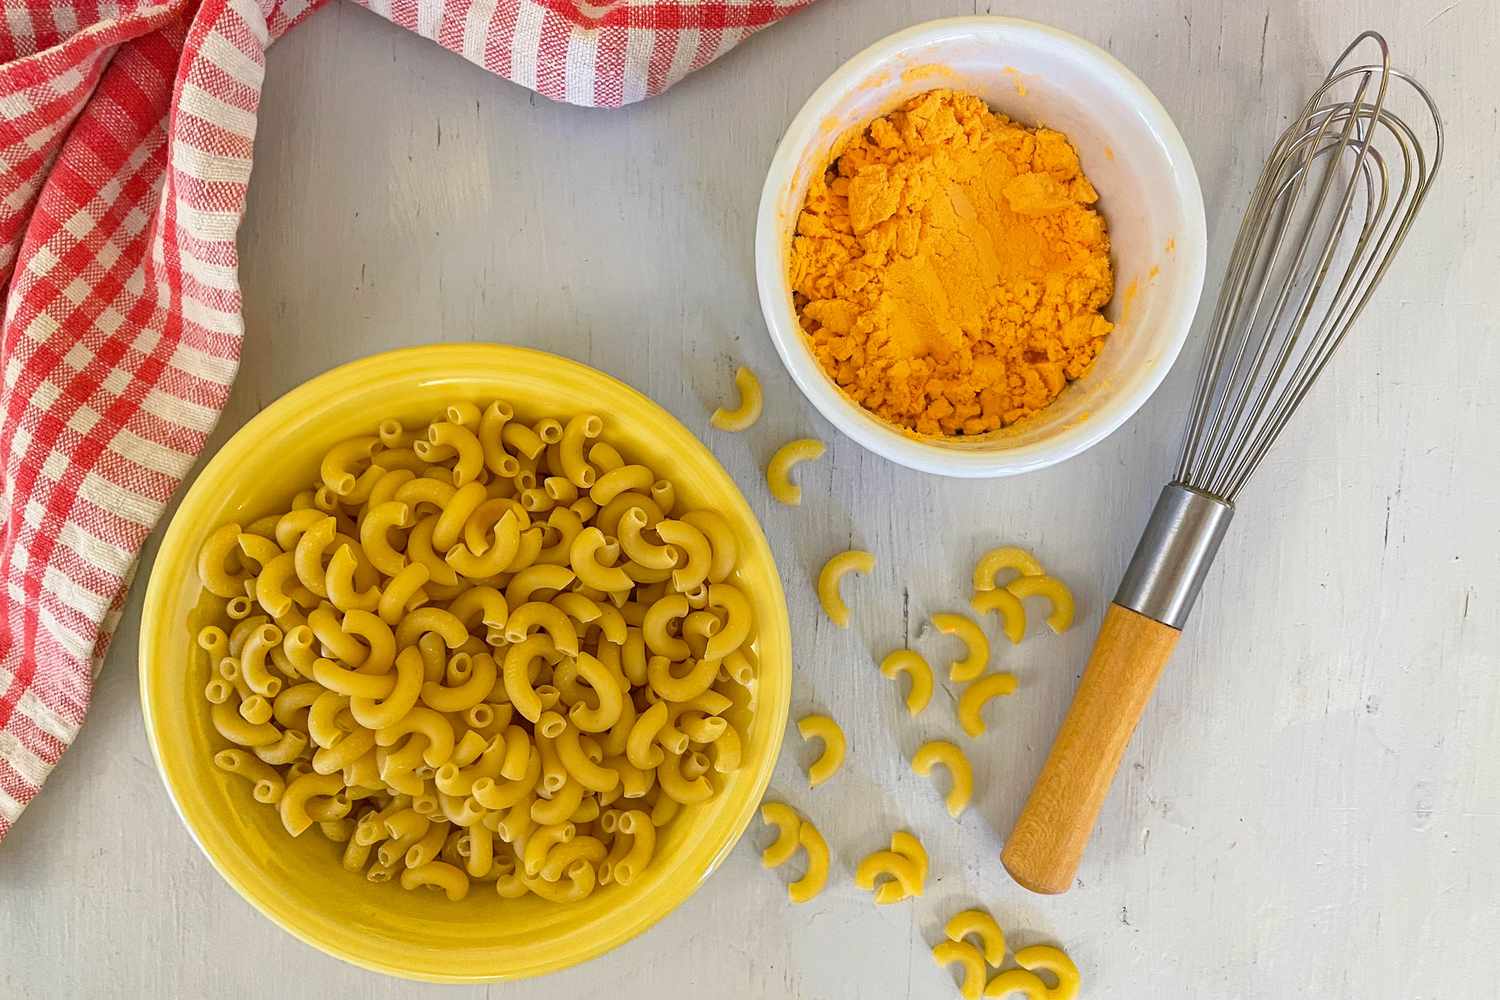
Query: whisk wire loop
[1327, 216]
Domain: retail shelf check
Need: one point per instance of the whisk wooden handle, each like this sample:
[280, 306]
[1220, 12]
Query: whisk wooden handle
[1047, 842]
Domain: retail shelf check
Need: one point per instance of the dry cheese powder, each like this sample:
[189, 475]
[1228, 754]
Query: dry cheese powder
[949, 267]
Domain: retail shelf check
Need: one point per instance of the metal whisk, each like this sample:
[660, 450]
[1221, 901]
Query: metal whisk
[1333, 205]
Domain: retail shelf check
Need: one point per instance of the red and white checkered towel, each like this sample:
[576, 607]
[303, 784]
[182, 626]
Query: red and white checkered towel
[126, 138]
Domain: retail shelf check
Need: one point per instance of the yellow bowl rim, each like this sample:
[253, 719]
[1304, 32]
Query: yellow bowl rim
[439, 361]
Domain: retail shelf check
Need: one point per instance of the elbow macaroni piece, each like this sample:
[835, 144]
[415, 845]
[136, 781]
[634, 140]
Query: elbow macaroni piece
[910, 663]
[779, 471]
[816, 877]
[983, 926]
[967, 957]
[1056, 592]
[787, 823]
[1006, 557]
[978, 694]
[721, 540]
[1012, 612]
[906, 865]
[641, 549]
[978, 656]
[697, 554]
[892, 865]
[437, 875]
[456, 694]
[574, 466]
[636, 825]
[960, 773]
[625, 479]
[734, 606]
[743, 416]
[584, 557]
[298, 796]
[908, 846]
[1012, 981]
[832, 574]
[215, 552]
[1025, 980]
[792, 832]
[821, 727]
[266, 780]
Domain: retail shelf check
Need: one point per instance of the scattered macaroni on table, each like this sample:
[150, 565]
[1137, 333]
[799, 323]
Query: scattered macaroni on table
[1026, 982]
[996, 561]
[888, 864]
[816, 877]
[779, 470]
[794, 831]
[960, 773]
[787, 823]
[910, 663]
[978, 694]
[1022, 981]
[977, 655]
[821, 727]
[1012, 612]
[1056, 592]
[832, 574]
[908, 846]
[743, 416]
[970, 963]
[897, 874]
[1005, 599]
[482, 651]
[983, 926]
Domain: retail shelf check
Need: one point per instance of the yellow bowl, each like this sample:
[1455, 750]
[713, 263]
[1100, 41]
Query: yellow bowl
[299, 883]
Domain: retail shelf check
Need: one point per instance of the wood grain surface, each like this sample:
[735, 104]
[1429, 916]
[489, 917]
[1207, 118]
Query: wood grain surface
[1310, 805]
[1047, 843]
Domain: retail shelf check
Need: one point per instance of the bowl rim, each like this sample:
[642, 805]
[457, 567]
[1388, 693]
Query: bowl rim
[851, 418]
[176, 556]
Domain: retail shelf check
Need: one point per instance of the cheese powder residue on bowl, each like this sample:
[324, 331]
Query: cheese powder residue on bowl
[949, 267]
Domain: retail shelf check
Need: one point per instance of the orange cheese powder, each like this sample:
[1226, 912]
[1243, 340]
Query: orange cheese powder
[949, 267]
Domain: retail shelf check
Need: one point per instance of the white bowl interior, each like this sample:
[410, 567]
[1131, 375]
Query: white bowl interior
[1148, 194]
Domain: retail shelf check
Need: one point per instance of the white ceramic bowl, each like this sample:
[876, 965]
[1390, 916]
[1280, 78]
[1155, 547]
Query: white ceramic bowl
[1131, 152]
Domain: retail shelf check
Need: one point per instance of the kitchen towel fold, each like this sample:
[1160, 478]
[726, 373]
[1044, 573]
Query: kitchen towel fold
[126, 139]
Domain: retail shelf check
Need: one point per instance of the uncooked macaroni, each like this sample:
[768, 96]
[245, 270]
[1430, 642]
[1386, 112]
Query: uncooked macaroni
[1008, 606]
[480, 652]
[787, 823]
[1056, 592]
[983, 926]
[1007, 557]
[910, 663]
[891, 865]
[743, 416]
[1025, 980]
[794, 831]
[908, 846]
[832, 574]
[821, 727]
[904, 865]
[978, 694]
[960, 773]
[977, 655]
[970, 963]
[779, 471]
[816, 876]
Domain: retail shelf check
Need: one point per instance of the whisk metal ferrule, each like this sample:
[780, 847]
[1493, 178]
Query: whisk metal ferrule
[1174, 554]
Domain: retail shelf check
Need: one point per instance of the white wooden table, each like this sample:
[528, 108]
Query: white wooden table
[1311, 805]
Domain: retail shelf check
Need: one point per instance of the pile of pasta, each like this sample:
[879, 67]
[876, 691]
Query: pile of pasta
[1022, 979]
[484, 650]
